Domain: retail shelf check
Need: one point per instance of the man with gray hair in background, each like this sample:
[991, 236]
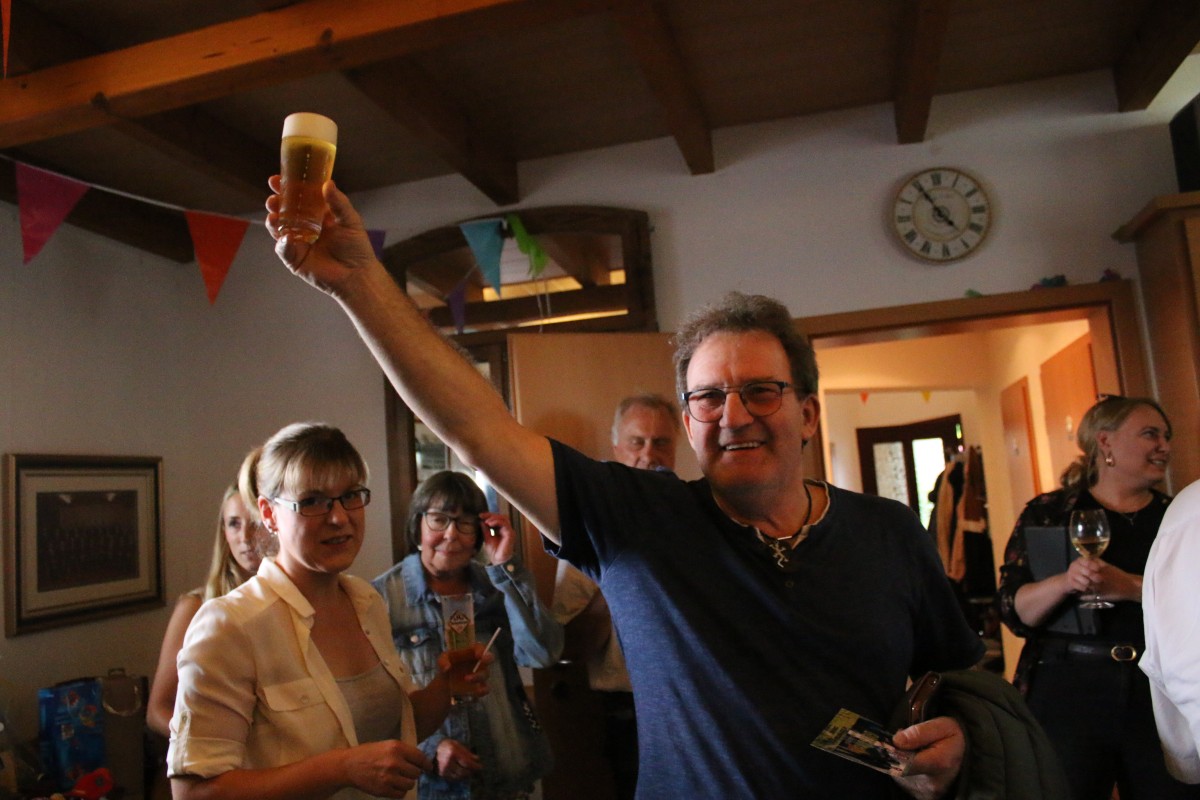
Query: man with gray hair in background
[645, 431]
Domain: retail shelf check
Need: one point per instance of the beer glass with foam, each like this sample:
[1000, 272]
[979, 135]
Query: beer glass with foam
[306, 162]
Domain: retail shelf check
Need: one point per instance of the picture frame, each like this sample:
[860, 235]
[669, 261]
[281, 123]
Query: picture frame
[82, 538]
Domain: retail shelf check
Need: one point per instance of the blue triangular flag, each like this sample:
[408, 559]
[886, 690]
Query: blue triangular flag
[483, 235]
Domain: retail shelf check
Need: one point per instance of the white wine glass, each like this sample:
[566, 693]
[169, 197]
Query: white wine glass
[1089, 534]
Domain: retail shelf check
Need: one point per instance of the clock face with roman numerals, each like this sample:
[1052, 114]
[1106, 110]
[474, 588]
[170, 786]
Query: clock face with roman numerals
[941, 214]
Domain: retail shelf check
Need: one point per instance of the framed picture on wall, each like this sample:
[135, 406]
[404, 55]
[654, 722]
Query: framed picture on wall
[83, 536]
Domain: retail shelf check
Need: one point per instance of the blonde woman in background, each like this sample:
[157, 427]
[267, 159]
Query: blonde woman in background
[237, 552]
[1085, 687]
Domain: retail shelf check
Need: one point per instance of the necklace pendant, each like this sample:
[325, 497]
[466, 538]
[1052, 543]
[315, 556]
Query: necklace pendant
[780, 554]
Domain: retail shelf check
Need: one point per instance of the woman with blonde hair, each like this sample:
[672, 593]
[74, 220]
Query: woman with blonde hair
[290, 686]
[235, 557]
[1081, 680]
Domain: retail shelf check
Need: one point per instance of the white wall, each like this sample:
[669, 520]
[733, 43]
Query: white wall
[107, 350]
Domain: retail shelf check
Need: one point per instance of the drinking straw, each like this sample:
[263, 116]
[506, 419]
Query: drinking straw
[491, 641]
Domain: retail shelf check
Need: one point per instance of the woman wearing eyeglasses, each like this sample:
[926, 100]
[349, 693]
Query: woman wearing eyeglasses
[1078, 668]
[288, 686]
[493, 748]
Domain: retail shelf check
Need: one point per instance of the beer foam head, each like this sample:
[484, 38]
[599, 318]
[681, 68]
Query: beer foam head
[311, 125]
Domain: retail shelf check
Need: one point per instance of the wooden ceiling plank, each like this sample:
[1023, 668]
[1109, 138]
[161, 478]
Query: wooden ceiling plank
[646, 29]
[153, 229]
[588, 300]
[249, 53]
[581, 257]
[204, 143]
[923, 26]
[1168, 34]
[192, 137]
[408, 93]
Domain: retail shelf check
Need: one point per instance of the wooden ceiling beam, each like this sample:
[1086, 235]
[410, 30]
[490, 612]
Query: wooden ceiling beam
[922, 36]
[408, 93]
[250, 53]
[1168, 34]
[645, 27]
[583, 257]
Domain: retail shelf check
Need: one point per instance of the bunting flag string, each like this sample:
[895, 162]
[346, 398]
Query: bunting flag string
[45, 199]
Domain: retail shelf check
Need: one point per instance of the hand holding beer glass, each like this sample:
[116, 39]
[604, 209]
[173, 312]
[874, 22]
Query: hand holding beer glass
[458, 622]
[306, 162]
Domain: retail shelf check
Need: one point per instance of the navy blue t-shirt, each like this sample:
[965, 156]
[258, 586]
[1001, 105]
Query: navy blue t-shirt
[738, 664]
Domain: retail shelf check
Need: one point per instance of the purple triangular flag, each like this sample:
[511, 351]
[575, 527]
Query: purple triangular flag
[377, 238]
[457, 300]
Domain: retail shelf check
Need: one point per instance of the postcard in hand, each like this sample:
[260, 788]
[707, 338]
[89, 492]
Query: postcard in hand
[859, 739]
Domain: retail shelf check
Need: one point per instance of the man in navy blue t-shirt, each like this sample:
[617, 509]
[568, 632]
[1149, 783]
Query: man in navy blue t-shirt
[752, 605]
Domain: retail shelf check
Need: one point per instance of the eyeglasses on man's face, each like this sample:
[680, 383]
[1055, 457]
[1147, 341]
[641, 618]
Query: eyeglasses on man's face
[319, 505]
[760, 398]
[439, 521]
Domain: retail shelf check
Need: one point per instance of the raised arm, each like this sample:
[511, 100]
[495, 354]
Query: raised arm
[440, 387]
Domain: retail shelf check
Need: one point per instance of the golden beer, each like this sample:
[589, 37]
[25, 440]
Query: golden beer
[306, 162]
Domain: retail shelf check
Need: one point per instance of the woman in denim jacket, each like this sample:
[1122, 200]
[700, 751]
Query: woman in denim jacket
[494, 747]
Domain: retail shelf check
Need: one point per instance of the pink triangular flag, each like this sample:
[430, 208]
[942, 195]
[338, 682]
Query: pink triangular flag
[216, 240]
[44, 199]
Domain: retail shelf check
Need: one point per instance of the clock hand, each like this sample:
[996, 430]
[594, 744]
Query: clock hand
[939, 212]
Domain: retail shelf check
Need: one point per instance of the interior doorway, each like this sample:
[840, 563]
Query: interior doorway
[903, 462]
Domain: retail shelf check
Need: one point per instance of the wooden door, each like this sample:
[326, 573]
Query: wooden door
[1020, 455]
[567, 386]
[948, 429]
[1068, 391]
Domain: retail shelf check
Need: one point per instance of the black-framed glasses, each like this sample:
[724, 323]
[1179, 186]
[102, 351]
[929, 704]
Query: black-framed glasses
[439, 521]
[319, 505]
[761, 399]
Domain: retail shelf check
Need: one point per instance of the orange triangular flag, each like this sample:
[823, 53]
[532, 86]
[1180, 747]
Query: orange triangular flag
[6, 24]
[926, 394]
[44, 200]
[863, 396]
[216, 240]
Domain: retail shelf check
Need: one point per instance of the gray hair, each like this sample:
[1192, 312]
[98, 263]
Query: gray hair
[652, 401]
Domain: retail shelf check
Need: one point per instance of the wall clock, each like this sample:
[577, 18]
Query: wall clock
[941, 214]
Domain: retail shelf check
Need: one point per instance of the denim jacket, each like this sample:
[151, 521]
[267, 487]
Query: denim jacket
[500, 727]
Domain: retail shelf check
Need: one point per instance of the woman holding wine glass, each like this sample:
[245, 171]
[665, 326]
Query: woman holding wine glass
[1078, 668]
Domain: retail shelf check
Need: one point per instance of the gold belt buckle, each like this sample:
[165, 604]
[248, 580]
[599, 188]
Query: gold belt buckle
[1123, 652]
